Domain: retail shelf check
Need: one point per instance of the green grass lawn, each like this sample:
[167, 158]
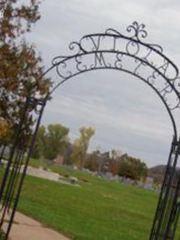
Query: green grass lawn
[98, 209]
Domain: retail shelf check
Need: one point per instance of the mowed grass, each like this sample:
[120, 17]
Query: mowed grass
[98, 209]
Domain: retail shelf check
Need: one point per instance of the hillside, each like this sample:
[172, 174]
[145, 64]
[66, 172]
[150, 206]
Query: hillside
[157, 173]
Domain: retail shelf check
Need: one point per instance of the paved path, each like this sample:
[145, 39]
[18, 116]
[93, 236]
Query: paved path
[26, 228]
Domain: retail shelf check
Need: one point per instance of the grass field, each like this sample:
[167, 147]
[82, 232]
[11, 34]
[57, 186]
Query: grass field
[97, 210]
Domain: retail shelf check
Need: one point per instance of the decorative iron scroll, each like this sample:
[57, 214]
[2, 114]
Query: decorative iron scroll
[113, 50]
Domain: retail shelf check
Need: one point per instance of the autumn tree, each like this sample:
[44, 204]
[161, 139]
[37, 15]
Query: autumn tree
[40, 143]
[133, 168]
[4, 130]
[20, 68]
[51, 141]
[93, 161]
[99, 161]
[81, 145]
[56, 140]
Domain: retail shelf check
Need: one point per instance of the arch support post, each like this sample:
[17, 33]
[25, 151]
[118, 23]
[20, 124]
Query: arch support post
[168, 209]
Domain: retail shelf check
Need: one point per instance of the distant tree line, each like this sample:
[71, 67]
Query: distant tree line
[53, 144]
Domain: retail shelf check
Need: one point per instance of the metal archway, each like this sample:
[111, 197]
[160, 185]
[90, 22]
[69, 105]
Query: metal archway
[126, 53]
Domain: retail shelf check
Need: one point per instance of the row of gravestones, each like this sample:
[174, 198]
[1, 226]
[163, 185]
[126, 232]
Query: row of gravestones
[147, 184]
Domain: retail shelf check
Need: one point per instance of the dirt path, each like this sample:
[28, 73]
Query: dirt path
[29, 229]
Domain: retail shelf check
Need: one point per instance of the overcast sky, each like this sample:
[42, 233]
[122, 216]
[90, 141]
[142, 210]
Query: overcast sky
[126, 113]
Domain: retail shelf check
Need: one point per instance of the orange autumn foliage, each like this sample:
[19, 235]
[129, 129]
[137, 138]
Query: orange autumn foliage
[4, 129]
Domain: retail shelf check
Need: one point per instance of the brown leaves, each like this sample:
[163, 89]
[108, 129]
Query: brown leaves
[20, 68]
[17, 18]
[4, 128]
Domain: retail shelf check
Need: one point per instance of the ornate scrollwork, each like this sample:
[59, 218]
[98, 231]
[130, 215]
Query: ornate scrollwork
[57, 60]
[138, 30]
[113, 31]
[113, 50]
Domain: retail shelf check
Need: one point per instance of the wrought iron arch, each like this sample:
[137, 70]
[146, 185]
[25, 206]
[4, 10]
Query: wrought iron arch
[162, 97]
[131, 54]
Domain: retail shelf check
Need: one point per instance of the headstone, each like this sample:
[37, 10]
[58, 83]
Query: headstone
[73, 180]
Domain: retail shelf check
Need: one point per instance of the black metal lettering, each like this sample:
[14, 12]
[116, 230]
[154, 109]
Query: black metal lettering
[163, 68]
[96, 44]
[99, 60]
[79, 66]
[118, 62]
